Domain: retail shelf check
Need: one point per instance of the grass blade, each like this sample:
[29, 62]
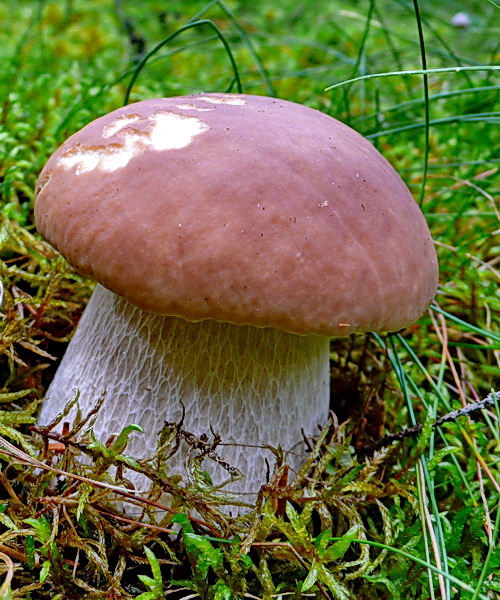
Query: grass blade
[201, 23]
[426, 97]
[415, 72]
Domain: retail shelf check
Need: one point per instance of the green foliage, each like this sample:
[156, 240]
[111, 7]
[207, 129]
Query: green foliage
[418, 519]
[108, 455]
[155, 583]
[47, 546]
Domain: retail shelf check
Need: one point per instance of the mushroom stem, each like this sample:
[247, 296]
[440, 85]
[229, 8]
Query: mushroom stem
[254, 387]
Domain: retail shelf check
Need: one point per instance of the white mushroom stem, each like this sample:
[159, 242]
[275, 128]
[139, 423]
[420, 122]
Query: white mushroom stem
[252, 386]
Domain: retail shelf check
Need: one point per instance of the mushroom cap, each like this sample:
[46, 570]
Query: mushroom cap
[242, 209]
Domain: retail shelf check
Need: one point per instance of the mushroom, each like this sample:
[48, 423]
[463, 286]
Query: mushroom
[232, 235]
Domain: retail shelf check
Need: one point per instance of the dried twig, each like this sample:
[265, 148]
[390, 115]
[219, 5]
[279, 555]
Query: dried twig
[468, 409]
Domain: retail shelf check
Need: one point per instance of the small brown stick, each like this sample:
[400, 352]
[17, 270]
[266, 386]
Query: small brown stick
[15, 554]
[133, 522]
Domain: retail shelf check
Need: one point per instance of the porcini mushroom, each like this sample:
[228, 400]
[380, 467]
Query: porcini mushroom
[232, 235]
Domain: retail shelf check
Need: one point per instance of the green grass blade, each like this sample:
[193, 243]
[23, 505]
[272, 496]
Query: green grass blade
[452, 579]
[201, 23]
[414, 72]
[488, 334]
[489, 556]
[271, 90]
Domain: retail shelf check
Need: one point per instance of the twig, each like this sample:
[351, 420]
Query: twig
[207, 447]
[134, 522]
[468, 409]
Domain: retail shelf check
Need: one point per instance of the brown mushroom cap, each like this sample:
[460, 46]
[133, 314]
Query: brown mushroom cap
[242, 209]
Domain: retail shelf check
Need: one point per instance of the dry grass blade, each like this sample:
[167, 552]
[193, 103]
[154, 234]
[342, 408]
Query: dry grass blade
[10, 573]
[25, 459]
